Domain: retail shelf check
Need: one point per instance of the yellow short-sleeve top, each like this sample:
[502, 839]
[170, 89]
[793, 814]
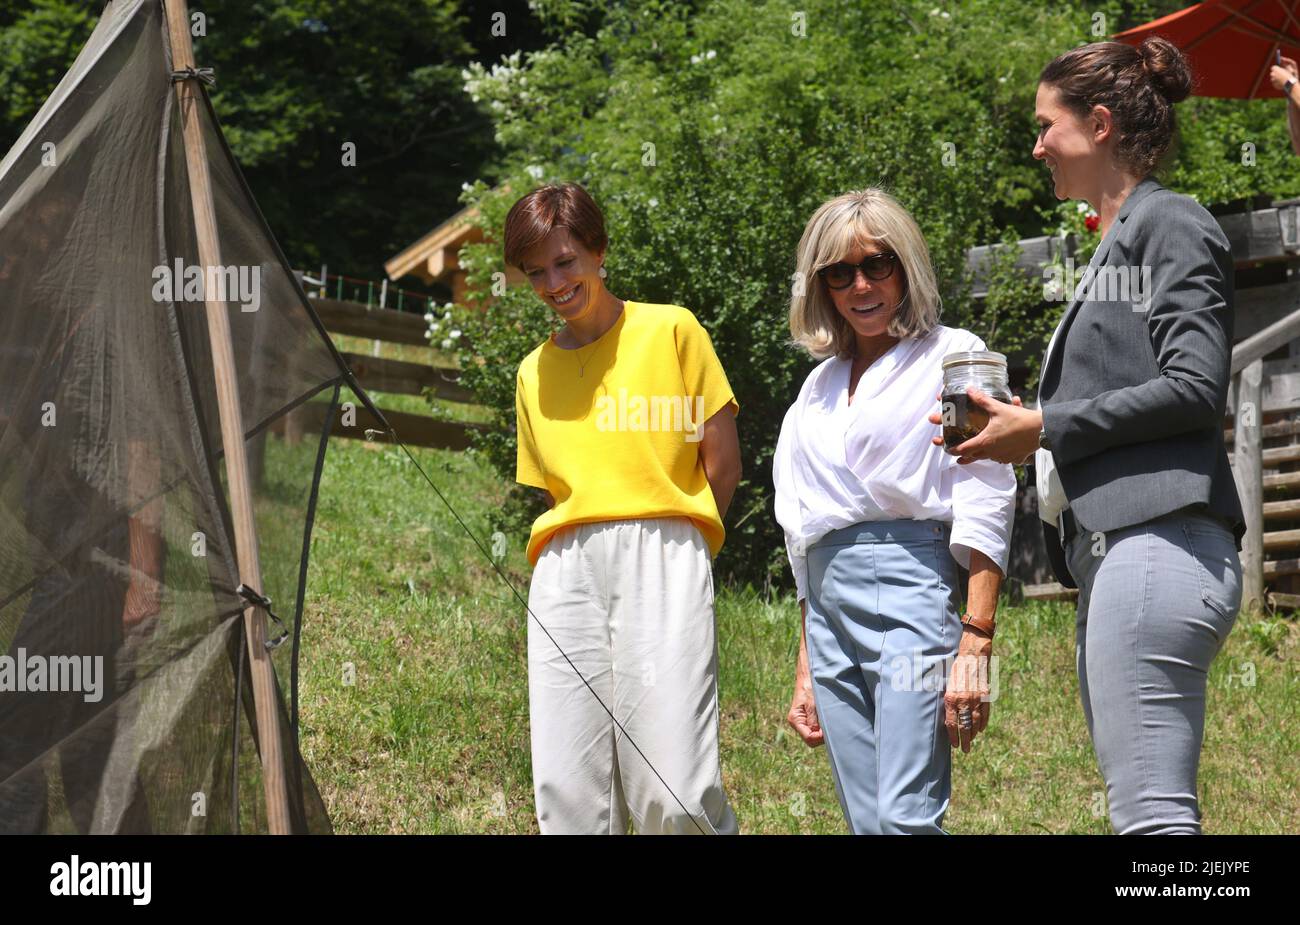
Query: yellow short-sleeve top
[612, 430]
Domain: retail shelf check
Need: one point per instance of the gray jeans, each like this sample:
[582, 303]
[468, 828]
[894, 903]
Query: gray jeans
[1156, 602]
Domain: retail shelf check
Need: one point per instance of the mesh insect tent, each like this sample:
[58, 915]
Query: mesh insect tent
[129, 649]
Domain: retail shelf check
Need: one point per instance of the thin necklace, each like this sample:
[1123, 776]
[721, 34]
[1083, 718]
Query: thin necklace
[582, 367]
[577, 355]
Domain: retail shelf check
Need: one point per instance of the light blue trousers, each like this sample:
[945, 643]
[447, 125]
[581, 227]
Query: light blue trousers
[1156, 602]
[882, 630]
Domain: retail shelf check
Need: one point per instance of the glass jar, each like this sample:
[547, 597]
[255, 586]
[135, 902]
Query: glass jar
[984, 369]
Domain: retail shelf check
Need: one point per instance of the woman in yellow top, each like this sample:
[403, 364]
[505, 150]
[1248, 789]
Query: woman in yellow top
[626, 420]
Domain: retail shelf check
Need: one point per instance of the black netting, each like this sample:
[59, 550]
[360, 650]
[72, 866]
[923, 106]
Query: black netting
[116, 545]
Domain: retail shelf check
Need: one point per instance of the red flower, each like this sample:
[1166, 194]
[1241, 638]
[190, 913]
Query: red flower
[1092, 221]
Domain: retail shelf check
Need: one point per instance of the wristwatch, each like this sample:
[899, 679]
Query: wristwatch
[1043, 441]
[984, 624]
[1286, 87]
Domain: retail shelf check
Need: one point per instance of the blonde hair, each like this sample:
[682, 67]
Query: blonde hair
[834, 230]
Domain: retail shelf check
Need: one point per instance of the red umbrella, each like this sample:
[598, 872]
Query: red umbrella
[1230, 44]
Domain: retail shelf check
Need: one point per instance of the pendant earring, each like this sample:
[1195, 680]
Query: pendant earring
[603, 274]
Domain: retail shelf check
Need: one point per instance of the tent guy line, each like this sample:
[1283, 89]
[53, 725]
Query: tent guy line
[520, 599]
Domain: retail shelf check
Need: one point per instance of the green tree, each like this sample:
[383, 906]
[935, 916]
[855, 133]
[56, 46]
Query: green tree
[298, 79]
[710, 135]
[709, 132]
[38, 42]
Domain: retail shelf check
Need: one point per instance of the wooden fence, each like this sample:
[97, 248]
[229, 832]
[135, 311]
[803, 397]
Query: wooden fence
[380, 374]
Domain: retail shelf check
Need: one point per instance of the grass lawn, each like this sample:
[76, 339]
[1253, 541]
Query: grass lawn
[431, 735]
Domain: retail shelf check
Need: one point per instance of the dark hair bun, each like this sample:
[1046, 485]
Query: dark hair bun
[1167, 67]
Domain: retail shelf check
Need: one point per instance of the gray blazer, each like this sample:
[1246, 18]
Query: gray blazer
[1134, 389]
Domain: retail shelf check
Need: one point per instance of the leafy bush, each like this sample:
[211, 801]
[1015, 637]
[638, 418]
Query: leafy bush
[710, 132]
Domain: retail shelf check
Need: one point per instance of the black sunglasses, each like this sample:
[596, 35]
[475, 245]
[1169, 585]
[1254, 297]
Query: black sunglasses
[876, 266]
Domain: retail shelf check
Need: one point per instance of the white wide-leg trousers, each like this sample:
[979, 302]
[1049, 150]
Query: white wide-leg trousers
[630, 603]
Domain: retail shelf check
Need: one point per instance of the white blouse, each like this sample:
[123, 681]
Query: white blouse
[838, 464]
[1051, 494]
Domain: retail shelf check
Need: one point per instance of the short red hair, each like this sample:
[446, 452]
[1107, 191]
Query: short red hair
[543, 210]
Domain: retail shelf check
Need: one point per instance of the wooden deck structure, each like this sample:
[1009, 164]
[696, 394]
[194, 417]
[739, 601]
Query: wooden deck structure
[435, 258]
[1265, 391]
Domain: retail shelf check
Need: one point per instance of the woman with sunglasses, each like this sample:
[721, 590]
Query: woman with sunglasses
[876, 519]
[1134, 484]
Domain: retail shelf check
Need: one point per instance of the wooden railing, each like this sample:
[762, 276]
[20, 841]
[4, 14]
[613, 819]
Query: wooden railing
[1248, 454]
[395, 377]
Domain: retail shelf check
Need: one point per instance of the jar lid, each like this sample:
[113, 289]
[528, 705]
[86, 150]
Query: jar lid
[975, 357]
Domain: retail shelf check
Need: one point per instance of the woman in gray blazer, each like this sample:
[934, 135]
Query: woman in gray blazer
[1133, 478]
